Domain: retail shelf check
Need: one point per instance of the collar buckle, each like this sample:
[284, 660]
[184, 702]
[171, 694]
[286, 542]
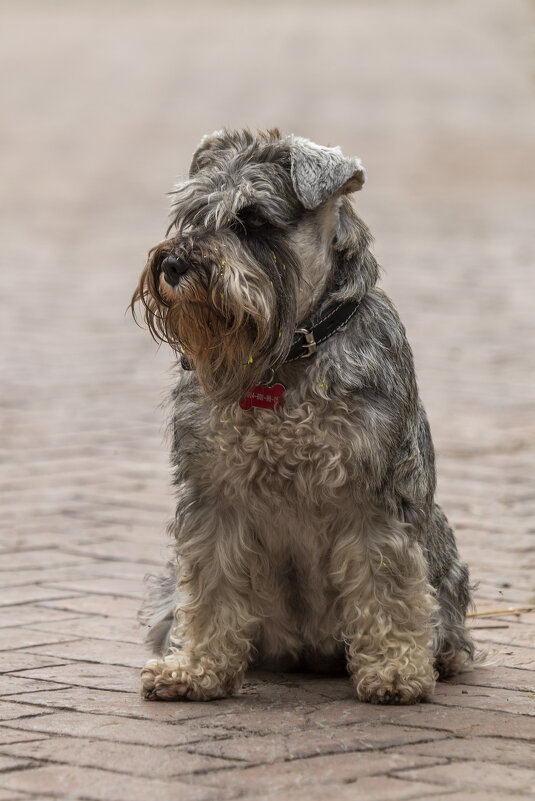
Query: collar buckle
[309, 342]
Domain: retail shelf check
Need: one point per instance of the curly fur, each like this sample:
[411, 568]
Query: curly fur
[305, 536]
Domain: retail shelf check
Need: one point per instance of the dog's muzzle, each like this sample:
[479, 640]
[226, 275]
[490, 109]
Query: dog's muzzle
[173, 268]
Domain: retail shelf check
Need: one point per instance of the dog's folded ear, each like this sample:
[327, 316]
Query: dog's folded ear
[320, 172]
[208, 142]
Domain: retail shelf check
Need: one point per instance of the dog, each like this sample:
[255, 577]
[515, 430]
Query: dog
[306, 533]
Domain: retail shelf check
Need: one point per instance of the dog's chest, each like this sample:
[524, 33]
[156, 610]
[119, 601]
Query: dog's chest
[300, 452]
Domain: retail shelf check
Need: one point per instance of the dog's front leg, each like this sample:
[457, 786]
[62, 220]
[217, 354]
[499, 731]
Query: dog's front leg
[210, 646]
[387, 605]
[212, 633]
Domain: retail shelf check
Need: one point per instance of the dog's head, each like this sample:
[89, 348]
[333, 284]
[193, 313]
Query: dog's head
[259, 231]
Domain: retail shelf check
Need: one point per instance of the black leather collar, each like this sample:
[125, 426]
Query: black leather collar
[307, 338]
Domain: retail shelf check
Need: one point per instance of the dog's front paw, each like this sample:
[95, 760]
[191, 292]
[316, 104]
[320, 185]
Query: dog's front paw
[382, 685]
[170, 680]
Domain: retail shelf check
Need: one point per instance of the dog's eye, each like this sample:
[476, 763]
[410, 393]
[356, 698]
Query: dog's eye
[250, 220]
[254, 221]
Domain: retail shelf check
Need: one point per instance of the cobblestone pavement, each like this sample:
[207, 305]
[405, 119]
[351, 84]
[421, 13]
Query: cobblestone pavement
[102, 104]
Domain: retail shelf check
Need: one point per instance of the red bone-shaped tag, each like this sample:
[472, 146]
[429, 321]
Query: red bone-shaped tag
[263, 397]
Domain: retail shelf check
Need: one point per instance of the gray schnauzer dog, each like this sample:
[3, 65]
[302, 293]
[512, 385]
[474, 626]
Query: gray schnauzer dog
[306, 532]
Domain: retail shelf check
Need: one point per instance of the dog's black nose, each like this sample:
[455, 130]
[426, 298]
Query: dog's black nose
[173, 268]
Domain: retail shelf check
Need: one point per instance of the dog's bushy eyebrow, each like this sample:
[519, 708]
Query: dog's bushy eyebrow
[230, 181]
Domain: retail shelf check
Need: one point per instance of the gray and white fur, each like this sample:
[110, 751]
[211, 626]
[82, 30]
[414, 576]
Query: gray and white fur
[306, 537]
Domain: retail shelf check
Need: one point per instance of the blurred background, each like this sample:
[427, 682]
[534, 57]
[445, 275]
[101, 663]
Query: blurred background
[102, 105]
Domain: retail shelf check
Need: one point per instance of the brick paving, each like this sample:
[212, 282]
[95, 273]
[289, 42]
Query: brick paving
[102, 104]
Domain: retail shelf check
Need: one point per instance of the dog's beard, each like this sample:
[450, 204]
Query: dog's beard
[232, 318]
[229, 351]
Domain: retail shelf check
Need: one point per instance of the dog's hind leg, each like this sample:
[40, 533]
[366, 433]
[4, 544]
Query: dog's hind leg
[453, 647]
[157, 612]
